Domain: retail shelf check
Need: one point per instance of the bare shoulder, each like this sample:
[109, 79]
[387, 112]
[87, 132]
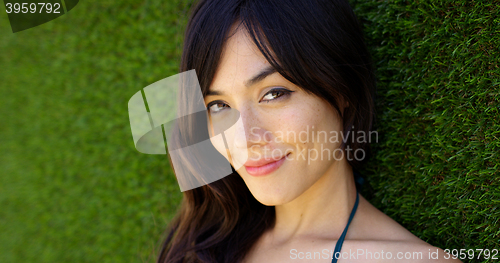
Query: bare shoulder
[375, 232]
[371, 224]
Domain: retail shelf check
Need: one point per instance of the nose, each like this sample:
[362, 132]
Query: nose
[249, 130]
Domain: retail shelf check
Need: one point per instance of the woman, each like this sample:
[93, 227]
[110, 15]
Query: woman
[299, 76]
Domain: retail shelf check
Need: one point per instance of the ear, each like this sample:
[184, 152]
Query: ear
[344, 104]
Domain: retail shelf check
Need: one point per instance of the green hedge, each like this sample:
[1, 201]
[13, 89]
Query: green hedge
[74, 189]
[436, 166]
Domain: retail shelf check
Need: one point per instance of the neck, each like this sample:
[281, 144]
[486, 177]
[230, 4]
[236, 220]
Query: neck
[322, 211]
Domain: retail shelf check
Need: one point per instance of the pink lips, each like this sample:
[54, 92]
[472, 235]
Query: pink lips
[263, 166]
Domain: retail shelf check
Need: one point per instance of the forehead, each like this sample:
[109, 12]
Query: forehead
[240, 60]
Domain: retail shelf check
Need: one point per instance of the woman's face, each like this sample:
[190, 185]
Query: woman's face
[282, 143]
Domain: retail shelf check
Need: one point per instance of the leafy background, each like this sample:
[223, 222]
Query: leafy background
[436, 166]
[74, 189]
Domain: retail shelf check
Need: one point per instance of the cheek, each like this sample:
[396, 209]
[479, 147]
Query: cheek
[218, 143]
[297, 126]
[236, 157]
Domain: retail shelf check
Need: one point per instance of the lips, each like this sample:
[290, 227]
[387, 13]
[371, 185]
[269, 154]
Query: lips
[260, 162]
[263, 166]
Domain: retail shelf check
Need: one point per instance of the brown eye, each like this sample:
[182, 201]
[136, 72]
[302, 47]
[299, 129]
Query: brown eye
[216, 106]
[275, 94]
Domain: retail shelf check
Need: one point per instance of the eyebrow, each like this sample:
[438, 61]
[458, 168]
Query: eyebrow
[252, 81]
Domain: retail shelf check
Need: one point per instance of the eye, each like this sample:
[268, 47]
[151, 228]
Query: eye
[276, 93]
[216, 106]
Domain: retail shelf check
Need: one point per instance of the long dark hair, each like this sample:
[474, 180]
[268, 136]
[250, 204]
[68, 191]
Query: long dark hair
[317, 45]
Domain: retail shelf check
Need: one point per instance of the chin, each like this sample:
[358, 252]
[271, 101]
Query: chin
[271, 197]
[270, 200]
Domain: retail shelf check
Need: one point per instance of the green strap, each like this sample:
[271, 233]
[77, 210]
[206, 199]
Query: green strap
[338, 246]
